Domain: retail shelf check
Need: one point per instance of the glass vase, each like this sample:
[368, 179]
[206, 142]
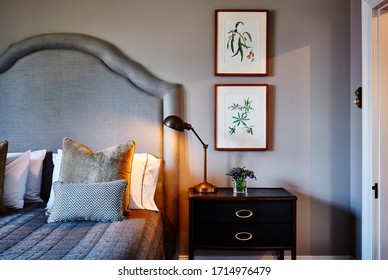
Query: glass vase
[239, 185]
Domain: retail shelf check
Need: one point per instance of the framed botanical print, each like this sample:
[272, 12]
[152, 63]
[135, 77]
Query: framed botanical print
[241, 42]
[240, 121]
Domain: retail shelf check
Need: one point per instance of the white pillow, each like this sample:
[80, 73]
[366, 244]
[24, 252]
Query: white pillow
[15, 179]
[144, 178]
[57, 166]
[34, 178]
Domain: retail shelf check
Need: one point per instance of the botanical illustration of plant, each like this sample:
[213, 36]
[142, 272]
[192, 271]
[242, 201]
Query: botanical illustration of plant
[242, 44]
[240, 116]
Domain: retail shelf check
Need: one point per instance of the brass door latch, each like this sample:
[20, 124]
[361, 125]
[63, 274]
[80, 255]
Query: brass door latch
[358, 100]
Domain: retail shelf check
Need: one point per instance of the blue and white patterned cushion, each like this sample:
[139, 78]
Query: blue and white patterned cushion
[88, 201]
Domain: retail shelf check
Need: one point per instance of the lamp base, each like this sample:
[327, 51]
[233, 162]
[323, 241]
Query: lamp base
[205, 187]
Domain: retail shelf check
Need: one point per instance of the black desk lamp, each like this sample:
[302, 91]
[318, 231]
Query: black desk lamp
[177, 123]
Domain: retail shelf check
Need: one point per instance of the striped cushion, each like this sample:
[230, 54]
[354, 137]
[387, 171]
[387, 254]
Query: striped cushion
[88, 201]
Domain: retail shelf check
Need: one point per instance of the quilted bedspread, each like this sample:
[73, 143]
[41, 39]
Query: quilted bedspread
[26, 235]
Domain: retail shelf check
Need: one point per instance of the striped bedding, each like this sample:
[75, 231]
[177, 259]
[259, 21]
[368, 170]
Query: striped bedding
[26, 235]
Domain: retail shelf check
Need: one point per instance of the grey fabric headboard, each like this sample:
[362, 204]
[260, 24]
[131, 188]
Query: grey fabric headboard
[73, 85]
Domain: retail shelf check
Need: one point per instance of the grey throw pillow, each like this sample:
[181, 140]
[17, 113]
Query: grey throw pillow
[80, 164]
[3, 158]
[89, 202]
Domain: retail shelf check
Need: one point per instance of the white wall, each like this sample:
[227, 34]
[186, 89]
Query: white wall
[310, 78]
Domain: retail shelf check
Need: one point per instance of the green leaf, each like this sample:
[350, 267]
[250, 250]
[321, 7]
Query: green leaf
[249, 35]
[238, 23]
[245, 46]
[227, 44]
[249, 129]
[239, 51]
[233, 107]
[236, 53]
[232, 130]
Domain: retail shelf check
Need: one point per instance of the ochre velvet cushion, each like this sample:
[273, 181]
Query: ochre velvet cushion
[3, 157]
[80, 164]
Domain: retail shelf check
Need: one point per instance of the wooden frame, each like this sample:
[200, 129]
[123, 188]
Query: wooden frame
[240, 117]
[241, 47]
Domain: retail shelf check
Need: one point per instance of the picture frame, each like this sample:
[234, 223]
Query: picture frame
[241, 43]
[240, 117]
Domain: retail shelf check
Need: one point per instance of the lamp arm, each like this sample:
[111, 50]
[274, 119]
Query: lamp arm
[203, 144]
[205, 155]
[177, 123]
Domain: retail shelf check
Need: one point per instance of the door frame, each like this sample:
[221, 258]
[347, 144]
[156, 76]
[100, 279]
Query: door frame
[370, 246]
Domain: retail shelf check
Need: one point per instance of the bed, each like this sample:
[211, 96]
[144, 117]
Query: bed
[92, 112]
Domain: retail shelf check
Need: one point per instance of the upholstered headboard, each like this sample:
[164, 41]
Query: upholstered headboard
[73, 85]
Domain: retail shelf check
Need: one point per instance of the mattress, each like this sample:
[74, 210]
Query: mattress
[26, 235]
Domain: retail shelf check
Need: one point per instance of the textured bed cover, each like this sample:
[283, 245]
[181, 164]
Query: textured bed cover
[25, 235]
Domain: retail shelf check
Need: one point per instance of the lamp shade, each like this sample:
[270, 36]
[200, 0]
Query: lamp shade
[176, 123]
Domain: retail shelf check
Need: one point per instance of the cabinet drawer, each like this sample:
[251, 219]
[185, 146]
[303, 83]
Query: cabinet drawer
[263, 235]
[243, 212]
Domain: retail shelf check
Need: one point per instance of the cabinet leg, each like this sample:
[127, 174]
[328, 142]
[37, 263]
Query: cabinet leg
[191, 254]
[281, 254]
[293, 254]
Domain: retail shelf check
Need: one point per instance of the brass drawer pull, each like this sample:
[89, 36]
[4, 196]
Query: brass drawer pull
[244, 213]
[245, 236]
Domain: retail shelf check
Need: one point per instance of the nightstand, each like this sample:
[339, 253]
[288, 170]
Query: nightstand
[262, 219]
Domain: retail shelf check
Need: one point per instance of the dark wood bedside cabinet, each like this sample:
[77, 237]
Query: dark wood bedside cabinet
[262, 219]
